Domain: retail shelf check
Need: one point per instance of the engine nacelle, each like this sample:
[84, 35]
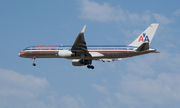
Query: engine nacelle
[65, 53]
[77, 62]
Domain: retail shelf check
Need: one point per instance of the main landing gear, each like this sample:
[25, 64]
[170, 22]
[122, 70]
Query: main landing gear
[90, 66]
[34, 64]
[87, 62]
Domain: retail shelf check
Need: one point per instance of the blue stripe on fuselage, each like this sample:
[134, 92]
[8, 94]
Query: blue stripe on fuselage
[89, 47]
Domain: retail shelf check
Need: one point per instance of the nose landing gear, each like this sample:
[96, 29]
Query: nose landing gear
[34, 64]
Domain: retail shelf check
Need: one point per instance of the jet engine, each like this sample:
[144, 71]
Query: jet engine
[79, 62]
[66, 53]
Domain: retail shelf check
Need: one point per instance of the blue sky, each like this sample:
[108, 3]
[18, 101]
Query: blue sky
[151, 80]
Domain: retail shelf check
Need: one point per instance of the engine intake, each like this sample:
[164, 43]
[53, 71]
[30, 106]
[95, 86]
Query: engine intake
[78, 62]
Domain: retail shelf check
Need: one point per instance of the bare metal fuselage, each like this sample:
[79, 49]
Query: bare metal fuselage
[107, 52]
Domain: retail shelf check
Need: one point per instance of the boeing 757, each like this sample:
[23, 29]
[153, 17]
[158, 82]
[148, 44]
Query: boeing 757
[83, 54]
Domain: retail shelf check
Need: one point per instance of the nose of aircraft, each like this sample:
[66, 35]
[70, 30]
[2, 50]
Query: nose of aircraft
[19, 54]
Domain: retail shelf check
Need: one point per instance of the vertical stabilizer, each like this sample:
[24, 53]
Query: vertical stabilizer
[145, 36]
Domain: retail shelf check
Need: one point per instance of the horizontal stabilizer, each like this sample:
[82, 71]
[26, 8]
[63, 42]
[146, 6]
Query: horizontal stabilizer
[156, 52]
[143, 47]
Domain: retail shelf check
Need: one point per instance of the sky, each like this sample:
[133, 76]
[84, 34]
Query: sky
[151, 80]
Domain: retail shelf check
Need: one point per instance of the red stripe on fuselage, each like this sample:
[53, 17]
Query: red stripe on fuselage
[38, 51]
[52, 51]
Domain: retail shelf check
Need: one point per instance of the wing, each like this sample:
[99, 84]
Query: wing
[79, 45]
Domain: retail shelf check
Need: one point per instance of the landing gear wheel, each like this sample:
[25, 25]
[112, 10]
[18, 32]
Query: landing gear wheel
[90, 67]
[34, 64]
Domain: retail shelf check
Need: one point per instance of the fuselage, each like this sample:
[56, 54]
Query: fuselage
[83, 54]
[108, 51]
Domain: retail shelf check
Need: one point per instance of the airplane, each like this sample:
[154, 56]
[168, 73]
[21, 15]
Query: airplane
[83, 54]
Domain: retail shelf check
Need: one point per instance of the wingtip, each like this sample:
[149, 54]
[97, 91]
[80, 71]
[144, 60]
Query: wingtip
[82, 31]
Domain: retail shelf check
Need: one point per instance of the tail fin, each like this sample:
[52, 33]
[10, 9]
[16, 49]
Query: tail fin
[146, 36]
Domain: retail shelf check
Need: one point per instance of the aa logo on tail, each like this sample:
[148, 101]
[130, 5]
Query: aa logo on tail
[143, 38]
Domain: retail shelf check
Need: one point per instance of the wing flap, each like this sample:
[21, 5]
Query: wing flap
[110, 60]
[96, 54]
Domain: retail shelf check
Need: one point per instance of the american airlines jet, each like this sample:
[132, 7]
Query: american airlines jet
[83, 54]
